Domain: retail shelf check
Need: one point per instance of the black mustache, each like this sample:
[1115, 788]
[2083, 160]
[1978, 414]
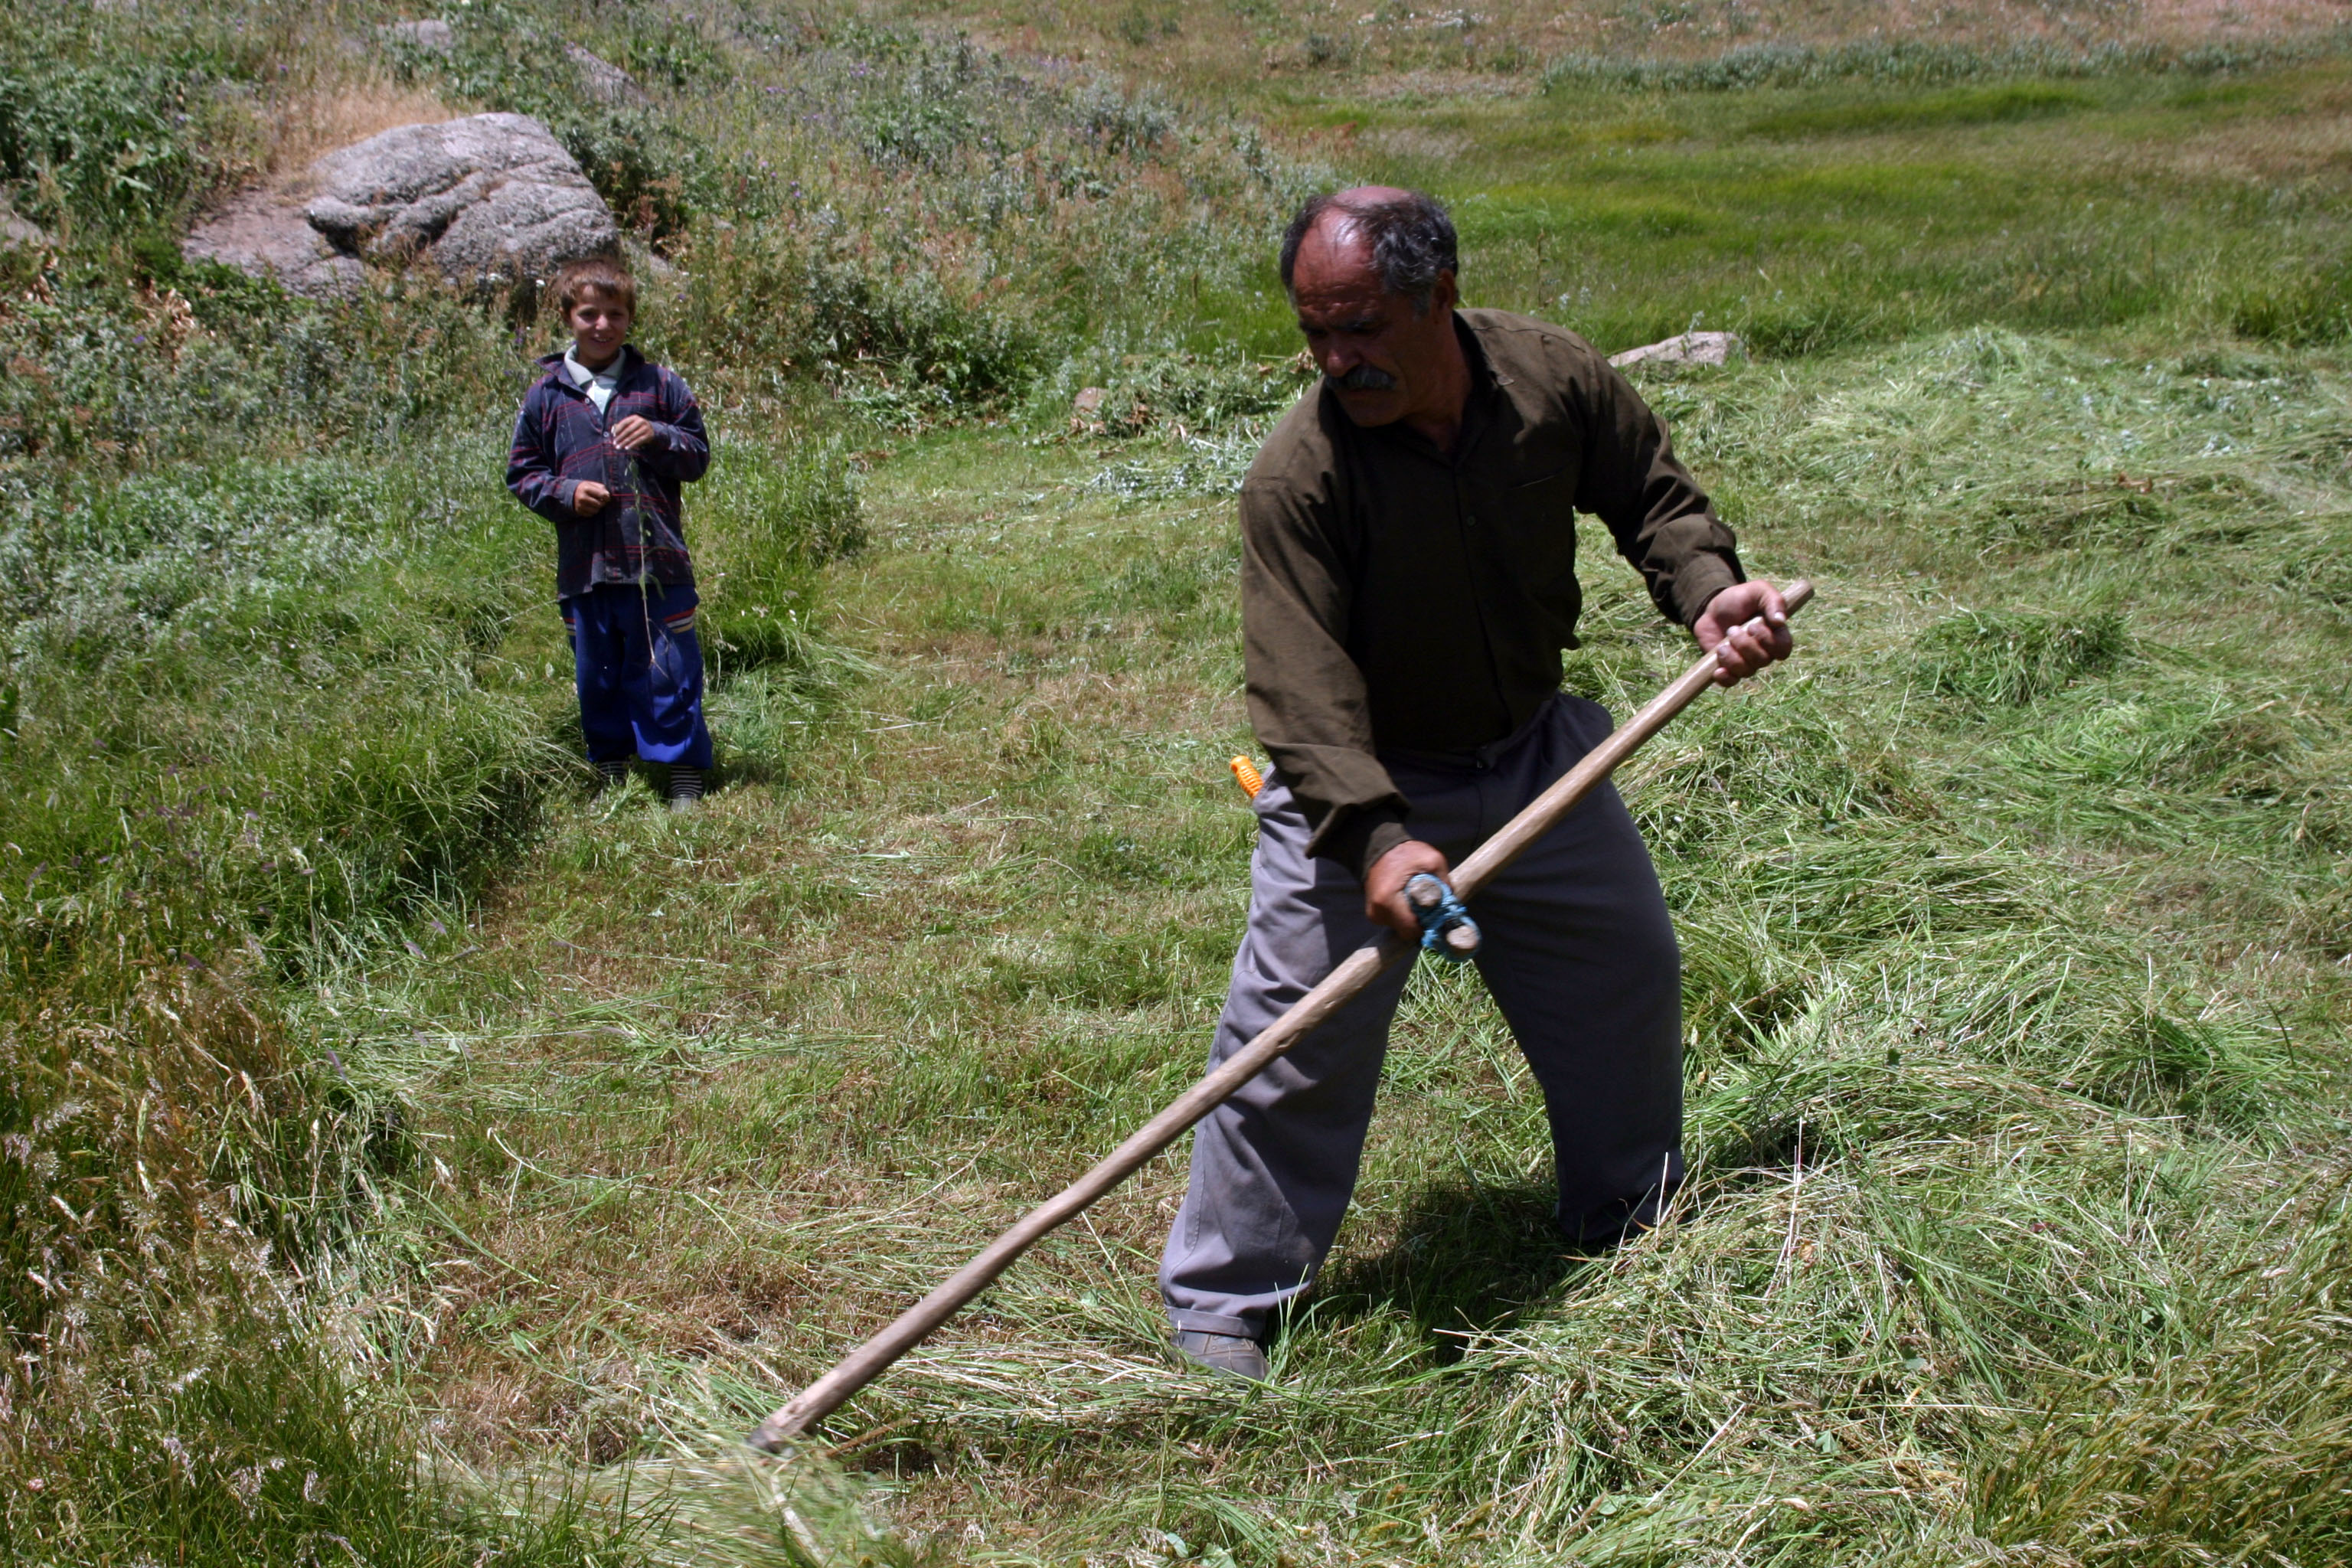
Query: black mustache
[1364, 378]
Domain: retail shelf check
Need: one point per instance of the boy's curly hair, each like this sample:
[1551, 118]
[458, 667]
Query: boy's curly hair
[602, 274]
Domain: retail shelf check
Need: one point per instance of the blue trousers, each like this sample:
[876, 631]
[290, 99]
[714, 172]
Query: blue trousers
[1579, 954]
[638, 666]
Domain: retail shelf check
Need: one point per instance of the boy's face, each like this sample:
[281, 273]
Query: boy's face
[600, 325]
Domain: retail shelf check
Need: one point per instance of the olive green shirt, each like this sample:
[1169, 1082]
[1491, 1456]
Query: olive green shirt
[1393, 596]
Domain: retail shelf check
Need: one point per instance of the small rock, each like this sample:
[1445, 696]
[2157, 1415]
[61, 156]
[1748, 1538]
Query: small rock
[434, 37]
[1690, 348]
[16, 232]
[599, 78]
[1088, 403]
[605, 82]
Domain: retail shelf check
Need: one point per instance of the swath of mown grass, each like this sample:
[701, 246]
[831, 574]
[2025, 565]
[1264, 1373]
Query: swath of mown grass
[2016, 659]
[2237, 1447]
[1966, 106]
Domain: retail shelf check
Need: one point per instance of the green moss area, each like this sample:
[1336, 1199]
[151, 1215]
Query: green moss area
[407, 1155]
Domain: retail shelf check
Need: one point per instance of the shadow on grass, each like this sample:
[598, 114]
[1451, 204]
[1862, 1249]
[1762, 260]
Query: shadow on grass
[1465, 1258]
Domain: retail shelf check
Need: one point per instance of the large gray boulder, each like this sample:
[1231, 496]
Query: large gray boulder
[489, 199]
[492, 197]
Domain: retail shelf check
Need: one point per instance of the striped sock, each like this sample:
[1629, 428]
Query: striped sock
[612, 772]
[685, 782]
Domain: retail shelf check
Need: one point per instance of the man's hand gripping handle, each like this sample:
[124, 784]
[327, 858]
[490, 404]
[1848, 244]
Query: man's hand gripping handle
[1446, 928]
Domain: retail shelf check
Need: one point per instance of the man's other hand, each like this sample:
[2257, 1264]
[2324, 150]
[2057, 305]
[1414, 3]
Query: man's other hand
[588, 498]
[1746, 627]
[633, 433]
[1384, 902]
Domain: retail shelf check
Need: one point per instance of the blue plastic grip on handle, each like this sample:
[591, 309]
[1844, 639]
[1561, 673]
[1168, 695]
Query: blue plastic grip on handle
[1446, 928]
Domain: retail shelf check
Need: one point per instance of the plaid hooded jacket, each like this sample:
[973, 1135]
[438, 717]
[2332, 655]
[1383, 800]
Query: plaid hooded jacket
[560, 440]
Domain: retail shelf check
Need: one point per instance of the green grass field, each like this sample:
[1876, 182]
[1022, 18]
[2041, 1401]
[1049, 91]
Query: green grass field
[407, 1157]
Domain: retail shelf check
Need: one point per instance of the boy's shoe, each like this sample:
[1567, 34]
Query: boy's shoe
[612, 774]
[685, 788]
[1227, 1355]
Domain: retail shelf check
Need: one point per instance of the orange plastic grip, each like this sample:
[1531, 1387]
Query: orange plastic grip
[1245, 774]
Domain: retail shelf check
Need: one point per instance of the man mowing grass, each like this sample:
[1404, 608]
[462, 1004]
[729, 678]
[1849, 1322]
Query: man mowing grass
[1408, 583]
[603, 441]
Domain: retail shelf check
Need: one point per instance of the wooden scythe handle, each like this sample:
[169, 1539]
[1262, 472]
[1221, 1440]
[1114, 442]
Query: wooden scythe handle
[867, 1362]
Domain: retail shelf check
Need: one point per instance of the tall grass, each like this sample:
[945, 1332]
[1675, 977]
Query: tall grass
[1918, 62]
[118, 126]
[244, 1441]
[1247, 47]
[1821, 213]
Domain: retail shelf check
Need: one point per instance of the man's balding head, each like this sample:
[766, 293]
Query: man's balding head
[1370, 272]
[1403, 235]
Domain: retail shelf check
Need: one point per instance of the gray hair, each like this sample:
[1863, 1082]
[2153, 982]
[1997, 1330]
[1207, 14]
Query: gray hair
[1412, 238]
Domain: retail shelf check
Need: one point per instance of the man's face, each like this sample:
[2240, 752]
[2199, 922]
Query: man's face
[599, 324]
[1382, 361]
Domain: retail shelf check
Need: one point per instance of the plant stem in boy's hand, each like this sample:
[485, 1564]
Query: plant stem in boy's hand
[635, 432]
[588, 498]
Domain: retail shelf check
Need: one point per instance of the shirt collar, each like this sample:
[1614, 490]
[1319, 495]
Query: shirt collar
[1486, 383]
[581, 376]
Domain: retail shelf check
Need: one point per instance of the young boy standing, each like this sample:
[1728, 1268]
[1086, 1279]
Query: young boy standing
[605, 440]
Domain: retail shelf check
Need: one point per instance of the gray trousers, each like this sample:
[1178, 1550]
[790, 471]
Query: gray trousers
[1579, 954]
